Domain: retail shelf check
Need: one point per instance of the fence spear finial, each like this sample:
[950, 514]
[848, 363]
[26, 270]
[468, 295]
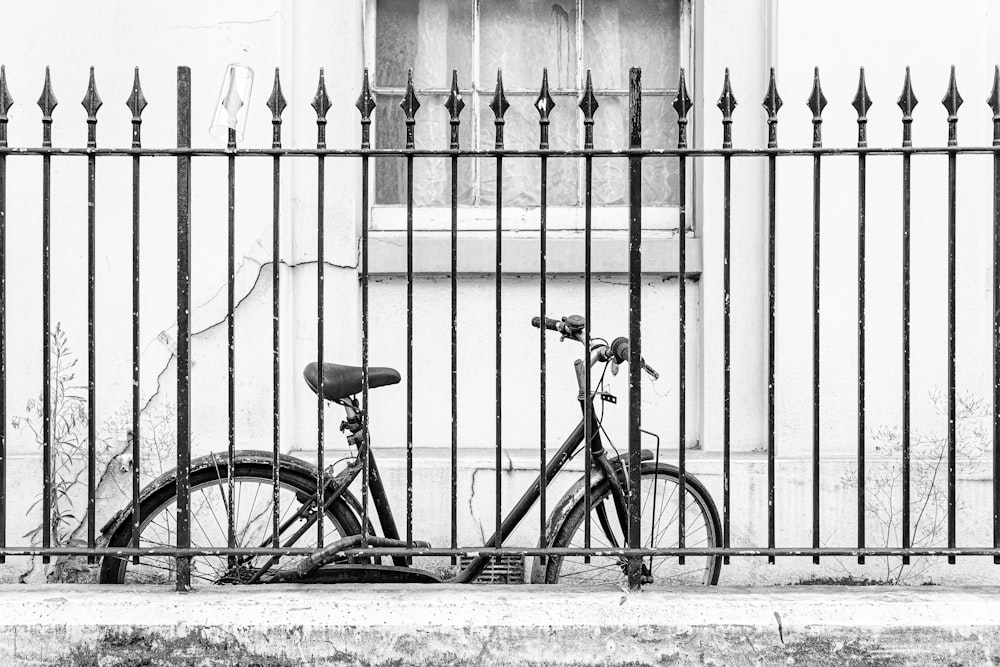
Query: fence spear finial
[321, 101]
[588, 105]
[727, 101]
[772, 100]
[772, 103]
[276, 102]
[410, 104]
[6, 101]
[544, 102]
[907, 101]
[47, 102]
[952, 100]
[862, 102]
[365, 102]
[994, 99]
[588, 102]
[499, 105]
[454, 104]
[682, 104]
[817, 100]
[136, 102]
[365, 105]
[92, 100]
[816, 103]
[727, 104]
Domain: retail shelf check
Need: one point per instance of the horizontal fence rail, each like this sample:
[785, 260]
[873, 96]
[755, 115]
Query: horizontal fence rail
[402, 544]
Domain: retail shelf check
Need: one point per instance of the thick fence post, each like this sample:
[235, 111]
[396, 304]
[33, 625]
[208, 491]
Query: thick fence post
[183, 328]
[5, 103]
[47, 102]
[634, 322]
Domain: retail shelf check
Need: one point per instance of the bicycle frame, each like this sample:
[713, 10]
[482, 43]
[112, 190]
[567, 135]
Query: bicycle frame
[376, 488]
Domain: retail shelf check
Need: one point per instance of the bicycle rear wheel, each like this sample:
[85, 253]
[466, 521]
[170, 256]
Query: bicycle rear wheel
[660, 518]
[253, 516]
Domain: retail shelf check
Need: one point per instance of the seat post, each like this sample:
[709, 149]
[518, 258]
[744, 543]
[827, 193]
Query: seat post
[353, 425]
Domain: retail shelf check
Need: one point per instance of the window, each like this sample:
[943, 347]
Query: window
[477, 37]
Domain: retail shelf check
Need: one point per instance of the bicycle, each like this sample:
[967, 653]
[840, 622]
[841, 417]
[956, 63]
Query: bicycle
[298, 500]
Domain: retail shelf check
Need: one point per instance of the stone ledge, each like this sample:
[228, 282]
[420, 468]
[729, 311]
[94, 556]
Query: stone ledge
[497, 625]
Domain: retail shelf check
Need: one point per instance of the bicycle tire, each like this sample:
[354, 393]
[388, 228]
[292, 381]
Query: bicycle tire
[296, 487]
[610, 570]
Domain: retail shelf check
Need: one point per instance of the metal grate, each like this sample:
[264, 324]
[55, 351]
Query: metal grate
[504, 569]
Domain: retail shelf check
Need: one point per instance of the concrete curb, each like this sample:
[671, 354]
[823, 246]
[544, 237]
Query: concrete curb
[497, 625]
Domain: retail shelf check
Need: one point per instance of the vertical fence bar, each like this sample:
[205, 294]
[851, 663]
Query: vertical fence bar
[726, 104]
[634, 565]
[682, 104]
[136, 103]
[231, 338]
[410, 104]
[91, 102]
[499, 105]
[365, 104]
[454, 106]
[994, 102]
[952, 101]
[861, 103]
[544, 104]
[588, 104]
[47, 102]
[183, 328]
[276, 103]
[321, 104]
[772, 103]
[816, 103]
[5, 103]
[907, 101]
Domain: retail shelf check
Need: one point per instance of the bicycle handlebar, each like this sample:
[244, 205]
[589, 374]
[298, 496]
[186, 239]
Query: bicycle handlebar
[572, 326]
[550, 324]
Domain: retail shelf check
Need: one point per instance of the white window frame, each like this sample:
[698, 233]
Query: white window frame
[392, 217]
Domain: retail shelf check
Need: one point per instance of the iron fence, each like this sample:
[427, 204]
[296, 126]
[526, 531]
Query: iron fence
[632, 549]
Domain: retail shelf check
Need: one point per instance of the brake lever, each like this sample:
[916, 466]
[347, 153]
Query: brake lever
[652, 372]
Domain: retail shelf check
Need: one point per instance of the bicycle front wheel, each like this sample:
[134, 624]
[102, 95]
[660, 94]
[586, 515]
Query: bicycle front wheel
[661, 509]
[252, 503]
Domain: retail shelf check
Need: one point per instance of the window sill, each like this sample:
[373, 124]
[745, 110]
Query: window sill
[387, 252]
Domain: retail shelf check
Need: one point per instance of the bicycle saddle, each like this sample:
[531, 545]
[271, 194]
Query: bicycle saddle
[343, 381]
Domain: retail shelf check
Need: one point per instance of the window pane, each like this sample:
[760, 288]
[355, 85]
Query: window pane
[431, 36]
[522, 176]
[523, 36]
[431, 175]
[619, 34]
[659, 130]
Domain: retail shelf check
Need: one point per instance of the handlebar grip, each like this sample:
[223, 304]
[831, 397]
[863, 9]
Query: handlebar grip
[619, 349]
[552, 325]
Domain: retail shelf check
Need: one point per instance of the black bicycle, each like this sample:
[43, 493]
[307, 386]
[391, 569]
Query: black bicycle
[255, 523]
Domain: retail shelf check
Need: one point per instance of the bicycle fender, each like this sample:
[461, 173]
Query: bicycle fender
[212, 460]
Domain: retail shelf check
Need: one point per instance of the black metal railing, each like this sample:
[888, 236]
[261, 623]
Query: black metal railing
[634, 154]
